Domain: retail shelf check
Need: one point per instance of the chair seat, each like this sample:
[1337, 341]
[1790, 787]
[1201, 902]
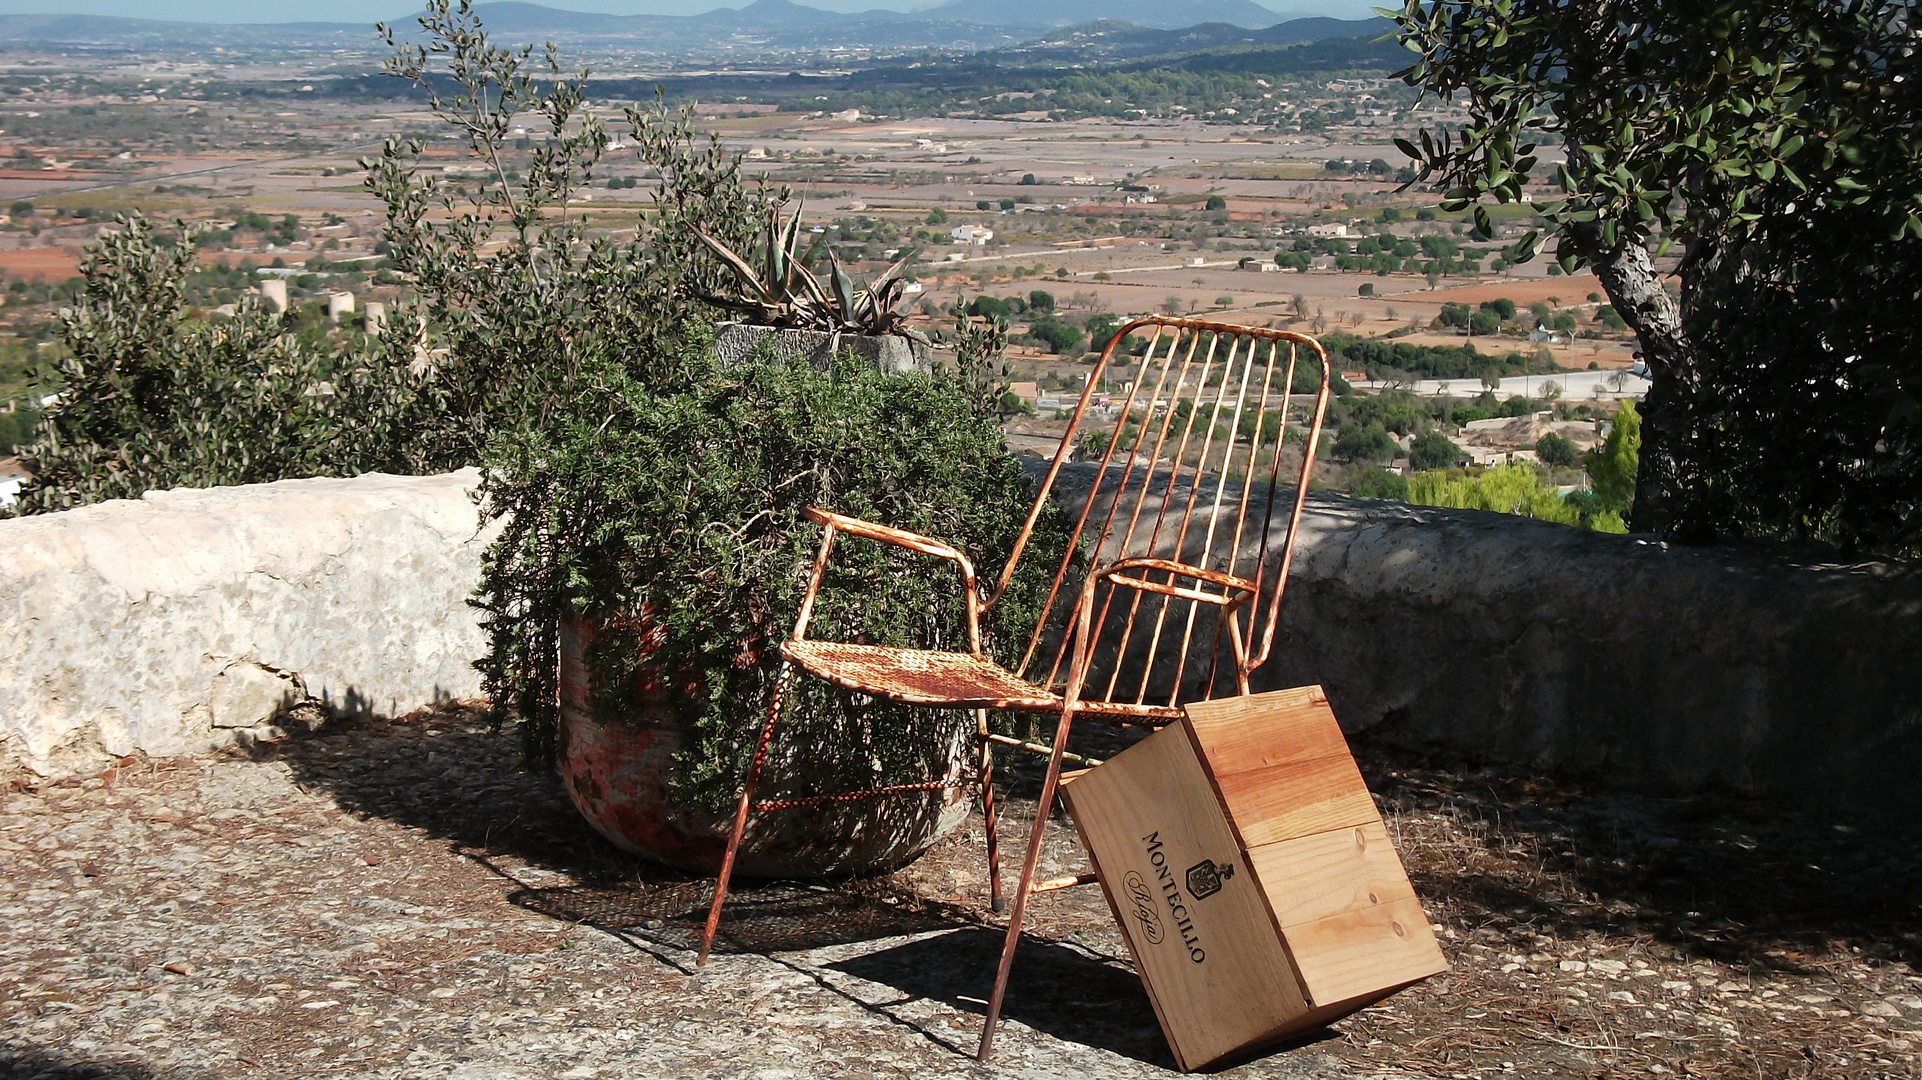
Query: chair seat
[920, 676]
[943, 679]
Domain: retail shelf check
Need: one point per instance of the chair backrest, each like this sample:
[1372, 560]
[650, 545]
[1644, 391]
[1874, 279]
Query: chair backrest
[1203, 424]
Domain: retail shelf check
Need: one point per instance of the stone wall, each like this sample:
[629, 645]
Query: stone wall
[174, 623]
[169, 624]
[1653, 665]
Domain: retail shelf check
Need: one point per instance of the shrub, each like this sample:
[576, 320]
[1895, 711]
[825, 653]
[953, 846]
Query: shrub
[1509, 489]
[1376, 482]
[678, 506]
[1059, 336]
[153, 399]
[1433, 450]
[990, 307]
[1364, 442]
[1556, 451]
[1612, 466]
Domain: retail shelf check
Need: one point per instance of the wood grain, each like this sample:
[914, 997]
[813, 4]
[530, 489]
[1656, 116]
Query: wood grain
[1149, 815]
[1281, 765]
[1251, 875]
[1357, 953]
[1316, 877]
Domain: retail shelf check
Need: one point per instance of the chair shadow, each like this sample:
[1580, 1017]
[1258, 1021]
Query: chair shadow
[1053, 988]
[761, 917]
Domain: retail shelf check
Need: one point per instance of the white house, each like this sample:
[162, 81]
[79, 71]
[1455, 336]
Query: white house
[972, 235]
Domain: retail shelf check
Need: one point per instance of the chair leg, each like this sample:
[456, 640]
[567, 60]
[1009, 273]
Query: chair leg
[740, 814]
[1019, 914]
[995, 901]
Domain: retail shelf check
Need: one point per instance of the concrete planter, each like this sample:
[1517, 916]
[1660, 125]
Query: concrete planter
[735, 342]
[618, 770]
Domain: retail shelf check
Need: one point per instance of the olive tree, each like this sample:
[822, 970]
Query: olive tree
[1772, 149]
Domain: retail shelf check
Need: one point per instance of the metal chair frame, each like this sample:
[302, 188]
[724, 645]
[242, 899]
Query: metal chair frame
[972, 680]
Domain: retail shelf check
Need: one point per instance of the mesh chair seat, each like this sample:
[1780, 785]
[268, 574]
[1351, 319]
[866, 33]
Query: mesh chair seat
[920, 676]
[943, 680]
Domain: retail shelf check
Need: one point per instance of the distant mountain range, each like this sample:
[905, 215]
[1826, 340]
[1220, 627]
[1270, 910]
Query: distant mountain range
[764, 24]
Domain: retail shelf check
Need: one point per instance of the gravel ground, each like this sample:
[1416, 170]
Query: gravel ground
[399, 899]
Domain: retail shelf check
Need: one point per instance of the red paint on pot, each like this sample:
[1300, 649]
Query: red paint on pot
[619, 773]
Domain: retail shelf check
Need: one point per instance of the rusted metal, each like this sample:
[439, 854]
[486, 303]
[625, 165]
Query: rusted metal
[1204, 418]
[864, 793]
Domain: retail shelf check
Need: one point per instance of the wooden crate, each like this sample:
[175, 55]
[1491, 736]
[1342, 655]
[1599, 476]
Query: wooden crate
[1251, 875]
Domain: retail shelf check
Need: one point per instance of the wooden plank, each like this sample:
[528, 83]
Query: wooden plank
[1360, 952]
[1326, 874]
[1188, 906]
[1297, 799]
[1281, 765]
[1260, 730]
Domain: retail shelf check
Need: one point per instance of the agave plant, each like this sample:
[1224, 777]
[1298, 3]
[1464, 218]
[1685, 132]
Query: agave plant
[782, 291]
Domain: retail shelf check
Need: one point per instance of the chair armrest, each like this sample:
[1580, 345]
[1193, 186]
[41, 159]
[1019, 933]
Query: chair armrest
[832, 523]
[887, 534]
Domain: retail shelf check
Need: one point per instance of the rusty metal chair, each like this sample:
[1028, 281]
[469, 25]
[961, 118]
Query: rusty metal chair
[1199, 431]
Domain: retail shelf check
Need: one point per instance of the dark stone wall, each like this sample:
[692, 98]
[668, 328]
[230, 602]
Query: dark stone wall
[1621, 658]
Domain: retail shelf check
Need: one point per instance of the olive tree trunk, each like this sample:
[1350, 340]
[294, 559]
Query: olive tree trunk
[1628, 275]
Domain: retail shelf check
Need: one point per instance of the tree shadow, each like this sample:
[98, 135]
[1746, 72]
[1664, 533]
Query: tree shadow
[17, 1063]
[1712, 875]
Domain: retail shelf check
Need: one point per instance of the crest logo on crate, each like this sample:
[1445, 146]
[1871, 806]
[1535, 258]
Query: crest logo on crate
[1141, 900]
[1206, 877]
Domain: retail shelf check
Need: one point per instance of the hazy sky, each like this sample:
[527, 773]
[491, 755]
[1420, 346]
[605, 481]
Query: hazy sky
[370, 10]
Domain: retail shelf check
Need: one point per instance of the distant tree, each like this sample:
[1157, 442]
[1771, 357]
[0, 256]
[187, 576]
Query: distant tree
[1776, 152]
[1224, 301]
[1433, 450]
[1007, 204]
[1216, 202]
[1375, 482]
[937, 216]
[1556, 451]
[1028, 179]
[1101, 327]
[1364, 442]
[1059, 336]
[21, 209]
[1041, 300]
[989, 306]
[983, 204]
[1613, 466]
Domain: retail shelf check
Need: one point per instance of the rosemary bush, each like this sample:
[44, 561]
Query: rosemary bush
[678, 509]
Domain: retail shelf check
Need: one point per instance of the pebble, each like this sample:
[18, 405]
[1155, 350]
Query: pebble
[348, 907]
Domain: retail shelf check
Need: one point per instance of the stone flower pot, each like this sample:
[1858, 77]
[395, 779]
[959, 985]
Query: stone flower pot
[735, 342]
[618, 770]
